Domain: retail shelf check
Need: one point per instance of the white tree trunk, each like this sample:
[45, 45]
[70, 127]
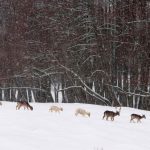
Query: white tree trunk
[53, 92]
[3, 95]
[27, 94]
[139, 82]
[60, 96]
[10, 94]
[32, 96]
[16, 94]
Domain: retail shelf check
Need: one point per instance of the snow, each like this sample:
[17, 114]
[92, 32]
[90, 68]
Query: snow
[43, 130]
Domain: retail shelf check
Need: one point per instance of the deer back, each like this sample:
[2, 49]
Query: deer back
[111, 113]
[25, 104]
[136, 116]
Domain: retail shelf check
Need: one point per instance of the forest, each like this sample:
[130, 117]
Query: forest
[76, 51]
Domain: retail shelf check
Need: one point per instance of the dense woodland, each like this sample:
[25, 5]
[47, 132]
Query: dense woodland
[83, 51]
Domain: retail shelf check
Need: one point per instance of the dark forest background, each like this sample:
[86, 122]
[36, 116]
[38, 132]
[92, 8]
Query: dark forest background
[83, 51]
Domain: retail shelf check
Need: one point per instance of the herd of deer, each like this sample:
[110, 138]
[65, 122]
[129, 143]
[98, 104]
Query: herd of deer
[107, 114]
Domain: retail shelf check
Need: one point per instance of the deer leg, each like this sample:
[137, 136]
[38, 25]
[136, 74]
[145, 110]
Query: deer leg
[111, 118]
[19, 107]
[103, 116]
[107, 118]
[133, 121]
[24, 108]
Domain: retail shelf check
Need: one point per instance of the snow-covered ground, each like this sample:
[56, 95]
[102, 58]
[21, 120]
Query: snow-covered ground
[43, 130]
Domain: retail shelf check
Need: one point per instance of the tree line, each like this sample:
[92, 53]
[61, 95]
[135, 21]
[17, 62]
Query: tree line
[76, 51]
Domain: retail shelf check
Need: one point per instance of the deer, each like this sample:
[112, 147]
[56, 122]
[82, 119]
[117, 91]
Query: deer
[56, 109]
[137, 117]
[24, 104]
[82, 112]
[110, 114]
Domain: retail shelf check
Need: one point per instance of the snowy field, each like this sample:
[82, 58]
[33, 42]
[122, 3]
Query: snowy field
[43, 130]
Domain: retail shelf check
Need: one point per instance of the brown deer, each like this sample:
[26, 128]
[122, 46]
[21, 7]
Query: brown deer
[56, 109]
[110, 114]
[137, 117]
[82, 112]
[24, 104]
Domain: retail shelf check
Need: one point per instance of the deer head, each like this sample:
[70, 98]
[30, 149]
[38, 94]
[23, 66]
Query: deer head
[143, 116]
[118, 113]
[88, 113]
